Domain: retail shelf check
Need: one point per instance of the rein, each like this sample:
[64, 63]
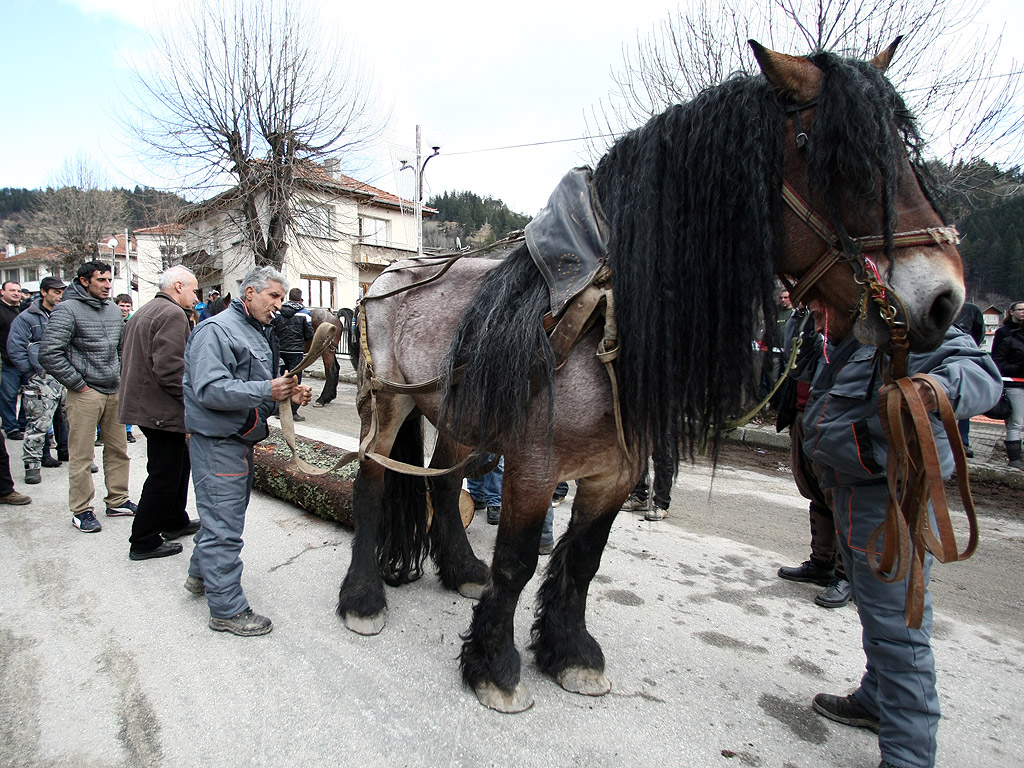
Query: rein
[913, 471]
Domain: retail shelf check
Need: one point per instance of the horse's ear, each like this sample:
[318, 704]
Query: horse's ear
[793, 76]
[884, 59]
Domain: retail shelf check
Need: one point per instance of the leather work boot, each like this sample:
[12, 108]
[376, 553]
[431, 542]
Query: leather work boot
[195, 585]
[1013, 453]
[49, 462]
[836, 594]
[808, 571]
[846, 710]
[494, 515]
[33, 475]
[246, 624]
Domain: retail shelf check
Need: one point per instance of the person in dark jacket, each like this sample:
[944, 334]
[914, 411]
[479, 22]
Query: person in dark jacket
[293, 325]
[1008, 353]
[897, 697]
[152, 367]
[41, 394]
[10, 377]
[81, 348]
[231, 386]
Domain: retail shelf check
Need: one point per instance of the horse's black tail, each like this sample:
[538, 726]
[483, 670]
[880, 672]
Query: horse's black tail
[403, 522]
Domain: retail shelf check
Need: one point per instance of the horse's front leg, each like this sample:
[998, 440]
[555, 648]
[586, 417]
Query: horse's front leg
[560, 641]
[361, 601]
[490, 662]
[458, 566]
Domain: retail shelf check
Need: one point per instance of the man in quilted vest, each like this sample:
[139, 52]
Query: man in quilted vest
[81, 348]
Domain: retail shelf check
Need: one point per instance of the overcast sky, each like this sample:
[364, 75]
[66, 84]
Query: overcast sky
[486, 75]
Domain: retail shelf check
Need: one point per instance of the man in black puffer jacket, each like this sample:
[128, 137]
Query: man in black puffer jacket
[294, 327]
[81, 348]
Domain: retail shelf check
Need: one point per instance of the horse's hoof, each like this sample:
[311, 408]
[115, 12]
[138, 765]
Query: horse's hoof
[588, 682]
[471, 590]
[365, 625]
[493, 697]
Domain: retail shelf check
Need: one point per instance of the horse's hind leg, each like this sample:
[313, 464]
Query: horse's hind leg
[560, 641]
[490, 662]
[459, 568]
[361, 601]
[331, 372]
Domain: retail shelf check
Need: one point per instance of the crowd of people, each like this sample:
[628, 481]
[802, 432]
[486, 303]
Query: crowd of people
[86, 368]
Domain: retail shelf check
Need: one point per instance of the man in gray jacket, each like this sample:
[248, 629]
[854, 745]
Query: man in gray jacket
[153, 364]
[81, 348]
[230, 388]
[897, 697]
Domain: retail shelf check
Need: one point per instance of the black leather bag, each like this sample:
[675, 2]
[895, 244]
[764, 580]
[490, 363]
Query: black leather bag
[1001, 410]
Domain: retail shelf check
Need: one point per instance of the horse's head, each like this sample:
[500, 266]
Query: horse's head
[861, 234]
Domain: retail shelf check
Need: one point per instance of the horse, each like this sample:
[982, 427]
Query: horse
[797, 172]
[342, 322]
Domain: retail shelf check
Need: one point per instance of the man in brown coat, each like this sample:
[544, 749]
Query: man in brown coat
[153, 363]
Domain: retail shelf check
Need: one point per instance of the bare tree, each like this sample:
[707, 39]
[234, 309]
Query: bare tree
[951, 83]
[76, 213]
[241, 93]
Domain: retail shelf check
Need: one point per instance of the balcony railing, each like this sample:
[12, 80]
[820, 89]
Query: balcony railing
[379, 255]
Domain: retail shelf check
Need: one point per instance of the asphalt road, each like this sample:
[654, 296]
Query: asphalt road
[713, 660]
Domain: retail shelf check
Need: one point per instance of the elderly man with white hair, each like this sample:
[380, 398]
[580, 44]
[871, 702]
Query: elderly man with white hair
[152, 368]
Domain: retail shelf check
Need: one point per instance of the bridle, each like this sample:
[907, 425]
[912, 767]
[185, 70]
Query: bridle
[840, 247]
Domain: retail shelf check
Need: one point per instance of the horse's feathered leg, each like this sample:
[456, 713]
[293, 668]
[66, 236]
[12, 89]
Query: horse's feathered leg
[361, 601]
[560, 641]
[490, 662]
[459, 568]
[331, 372]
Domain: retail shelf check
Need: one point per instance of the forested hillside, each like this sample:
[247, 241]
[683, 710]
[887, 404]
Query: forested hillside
[474, 220]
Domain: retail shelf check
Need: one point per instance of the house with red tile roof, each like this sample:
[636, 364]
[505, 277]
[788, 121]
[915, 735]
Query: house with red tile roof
[345, 232]
[28, 265]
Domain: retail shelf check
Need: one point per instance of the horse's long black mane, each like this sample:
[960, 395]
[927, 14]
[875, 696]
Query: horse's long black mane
[694, 205]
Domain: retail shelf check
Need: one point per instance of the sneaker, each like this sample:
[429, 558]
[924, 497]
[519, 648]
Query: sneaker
[656, 513]
[633, 503]
[130, 437]
[556, 500]
[16, 435]
[18, 499]
[127, 508]
[86, 522]
[188, 530]
[33, 476]
[493, 515]
[195, 585]
[245, 624]
[166, 549]
[836, 594]
[808, 571]
[846, 710]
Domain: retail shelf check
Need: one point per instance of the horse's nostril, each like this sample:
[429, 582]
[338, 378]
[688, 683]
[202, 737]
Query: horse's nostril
[944, 309]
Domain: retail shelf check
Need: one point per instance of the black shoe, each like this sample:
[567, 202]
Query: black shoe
[188, 530]
[298, 417]
[130, 437]
[846, 710]
[478, 506]
[62, 456]
[93, 468]
[836, 594]
[49, 462]
[968, 452]
[16, 435]
[493, 515]
[808, 571]
[556, 500]
[166, 549]
[245, 624]
[195, 585]
[33, 476]
[99, 442]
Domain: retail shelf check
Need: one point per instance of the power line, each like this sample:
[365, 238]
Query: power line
[533, 144]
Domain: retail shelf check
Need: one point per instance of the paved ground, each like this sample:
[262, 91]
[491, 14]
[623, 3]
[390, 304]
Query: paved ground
[713, 660]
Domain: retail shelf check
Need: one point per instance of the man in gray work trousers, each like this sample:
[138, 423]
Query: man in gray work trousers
[230, 389]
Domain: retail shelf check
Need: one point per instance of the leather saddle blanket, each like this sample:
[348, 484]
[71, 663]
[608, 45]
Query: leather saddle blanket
[568, 238]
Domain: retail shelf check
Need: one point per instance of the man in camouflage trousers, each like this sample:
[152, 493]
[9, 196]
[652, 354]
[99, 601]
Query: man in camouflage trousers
[41, 393]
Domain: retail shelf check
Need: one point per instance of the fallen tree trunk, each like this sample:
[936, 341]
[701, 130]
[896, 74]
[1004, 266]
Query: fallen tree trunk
[326, 496]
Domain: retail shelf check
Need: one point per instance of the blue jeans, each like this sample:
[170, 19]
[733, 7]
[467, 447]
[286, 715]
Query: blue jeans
[488, 488]
[10, 385]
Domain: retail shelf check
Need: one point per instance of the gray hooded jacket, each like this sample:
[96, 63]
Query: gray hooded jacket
[81, 345]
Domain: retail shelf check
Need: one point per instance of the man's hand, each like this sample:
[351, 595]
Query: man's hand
[927, 395]
[282, 387]
[302, 395]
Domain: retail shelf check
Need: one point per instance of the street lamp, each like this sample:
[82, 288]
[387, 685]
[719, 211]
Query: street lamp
[418, 168]
[112, 244]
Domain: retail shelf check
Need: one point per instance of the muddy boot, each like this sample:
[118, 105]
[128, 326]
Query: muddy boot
[1013, 453]
[48, 461]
